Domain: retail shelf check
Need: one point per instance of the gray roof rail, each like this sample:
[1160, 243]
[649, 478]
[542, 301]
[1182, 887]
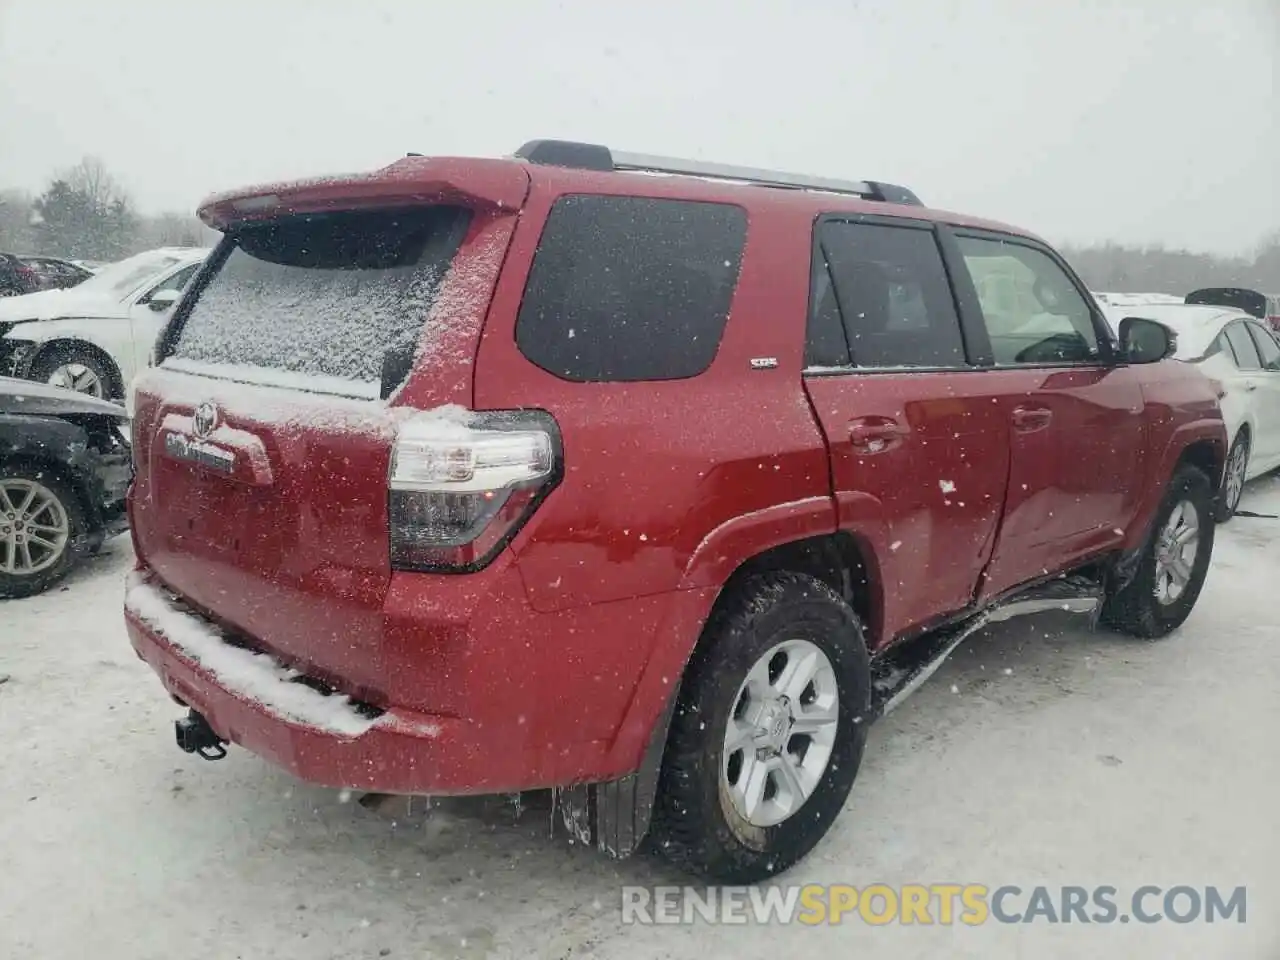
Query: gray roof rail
[590, 156]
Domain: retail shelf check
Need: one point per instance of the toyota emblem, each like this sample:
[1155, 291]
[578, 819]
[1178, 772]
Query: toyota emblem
[205, 419]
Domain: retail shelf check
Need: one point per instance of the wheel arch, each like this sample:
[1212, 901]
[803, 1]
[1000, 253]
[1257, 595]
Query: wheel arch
[615, 815]
[1205, 455]
[1201, 446]
[33, 446]
[61, 471]
[841, 560]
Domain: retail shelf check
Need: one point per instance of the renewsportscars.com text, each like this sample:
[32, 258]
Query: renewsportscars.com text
[928, 904]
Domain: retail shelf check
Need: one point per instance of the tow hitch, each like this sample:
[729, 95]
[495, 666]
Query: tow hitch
[196, 736]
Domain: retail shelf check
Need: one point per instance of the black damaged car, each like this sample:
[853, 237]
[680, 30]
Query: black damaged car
[65, 467]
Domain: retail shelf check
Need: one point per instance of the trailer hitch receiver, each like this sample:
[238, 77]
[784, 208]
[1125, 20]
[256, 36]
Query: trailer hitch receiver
[194, 735]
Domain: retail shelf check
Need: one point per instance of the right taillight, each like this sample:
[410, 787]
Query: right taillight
[462, 484]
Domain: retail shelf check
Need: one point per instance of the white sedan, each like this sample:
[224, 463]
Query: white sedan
[1242, 354]
[96, 336]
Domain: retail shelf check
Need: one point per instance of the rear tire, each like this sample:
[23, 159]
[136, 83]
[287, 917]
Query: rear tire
[726, 825]
[24, 573]
[1233, 475]
[1169, 576]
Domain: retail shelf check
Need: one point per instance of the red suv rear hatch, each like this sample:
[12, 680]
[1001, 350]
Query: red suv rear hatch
[264, 433]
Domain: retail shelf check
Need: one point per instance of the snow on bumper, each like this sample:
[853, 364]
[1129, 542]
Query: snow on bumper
[252, 676]
[252, 700]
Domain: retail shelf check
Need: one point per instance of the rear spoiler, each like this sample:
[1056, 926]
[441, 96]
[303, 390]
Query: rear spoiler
[1250, 301]
[476, 183]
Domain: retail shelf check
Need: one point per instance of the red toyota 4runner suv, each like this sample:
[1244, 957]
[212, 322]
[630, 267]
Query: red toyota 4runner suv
[647, 481]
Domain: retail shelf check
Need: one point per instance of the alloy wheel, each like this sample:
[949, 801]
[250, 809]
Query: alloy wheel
[1176, 549]
[781, 733]
[1237, 465]
[34, 527]
[78, 377]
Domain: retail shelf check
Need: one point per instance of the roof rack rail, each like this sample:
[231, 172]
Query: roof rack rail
[590, 156]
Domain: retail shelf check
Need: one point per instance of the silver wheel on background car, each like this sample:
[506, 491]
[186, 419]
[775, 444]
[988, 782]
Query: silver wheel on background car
[1233, 476]
[1176, 547]
[78, 377]
[781, 733]
[34, 527]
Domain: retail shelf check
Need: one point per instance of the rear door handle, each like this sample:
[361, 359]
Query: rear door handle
[873, 434]
[1028, 419]
[1250, 385]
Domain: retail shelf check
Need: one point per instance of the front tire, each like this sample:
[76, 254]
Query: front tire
[1174, 561]
[768, 733]
[1233, 475]
[40, 522]
[77, 368]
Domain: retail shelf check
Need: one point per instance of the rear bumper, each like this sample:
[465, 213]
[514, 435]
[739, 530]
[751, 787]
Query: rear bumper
[250, 700]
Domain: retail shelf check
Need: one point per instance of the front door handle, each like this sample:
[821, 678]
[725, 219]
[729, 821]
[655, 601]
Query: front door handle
[1030, 419]
[1250, 385]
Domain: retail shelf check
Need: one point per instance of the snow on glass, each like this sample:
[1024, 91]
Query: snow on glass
[327, 323]
[327, 305]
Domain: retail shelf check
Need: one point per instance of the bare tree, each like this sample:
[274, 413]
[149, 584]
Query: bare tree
[85, 212]
[92, 180]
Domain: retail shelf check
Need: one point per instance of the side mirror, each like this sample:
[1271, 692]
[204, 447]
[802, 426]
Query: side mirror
[162, 300]
[1146, 341]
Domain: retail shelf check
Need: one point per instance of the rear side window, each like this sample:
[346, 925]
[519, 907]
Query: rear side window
[890, 289]
[1243, 347]
[826, 344]
[328, 297]
[630, 288]
[1267, 347]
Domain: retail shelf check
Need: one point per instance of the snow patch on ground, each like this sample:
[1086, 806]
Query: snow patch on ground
[253, 676]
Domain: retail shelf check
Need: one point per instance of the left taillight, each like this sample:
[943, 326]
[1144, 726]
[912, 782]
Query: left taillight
[462, 484]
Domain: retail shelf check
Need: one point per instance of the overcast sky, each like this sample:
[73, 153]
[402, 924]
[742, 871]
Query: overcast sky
[1134, 120]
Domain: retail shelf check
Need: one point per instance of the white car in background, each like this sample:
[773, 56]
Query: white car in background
[1241, 353]
[1134, 299]
[96, 336]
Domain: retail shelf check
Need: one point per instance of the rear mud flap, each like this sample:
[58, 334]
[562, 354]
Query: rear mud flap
[614, 816]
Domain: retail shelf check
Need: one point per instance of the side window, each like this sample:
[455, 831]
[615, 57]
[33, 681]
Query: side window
[826, 345]
[630, 288]
[1220, 345]
[891, 292]
[177, 282]
[1243, 347]
[1032, 311]
[1268, 349]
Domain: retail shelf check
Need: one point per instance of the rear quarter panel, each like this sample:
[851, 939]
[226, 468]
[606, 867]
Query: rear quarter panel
[668, 486]
[653, 469]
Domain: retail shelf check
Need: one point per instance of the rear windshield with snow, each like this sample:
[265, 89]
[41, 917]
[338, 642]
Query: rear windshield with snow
[631, 288]
[321, 302]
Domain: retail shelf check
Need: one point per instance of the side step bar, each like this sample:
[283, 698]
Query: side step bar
[899, 673]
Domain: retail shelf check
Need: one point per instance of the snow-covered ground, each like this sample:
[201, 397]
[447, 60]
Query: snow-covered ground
[1041, 754]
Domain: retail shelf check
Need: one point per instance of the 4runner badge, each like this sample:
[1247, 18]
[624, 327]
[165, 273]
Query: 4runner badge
[205, 420]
